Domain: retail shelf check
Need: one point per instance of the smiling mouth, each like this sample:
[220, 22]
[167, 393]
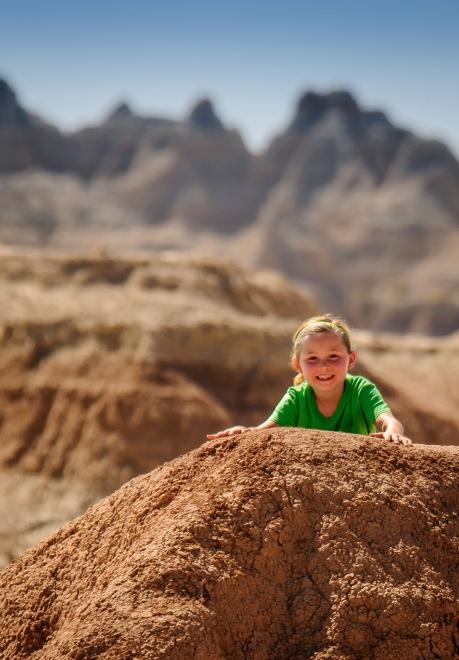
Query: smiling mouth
[325, 378]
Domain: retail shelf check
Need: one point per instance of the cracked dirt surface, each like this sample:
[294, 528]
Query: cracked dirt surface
[276, 544]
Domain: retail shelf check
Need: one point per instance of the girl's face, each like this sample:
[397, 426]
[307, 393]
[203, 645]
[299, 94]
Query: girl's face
[324, 362]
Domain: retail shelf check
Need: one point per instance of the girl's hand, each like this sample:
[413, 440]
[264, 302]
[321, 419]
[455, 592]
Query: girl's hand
[396, 438]
[233, 430]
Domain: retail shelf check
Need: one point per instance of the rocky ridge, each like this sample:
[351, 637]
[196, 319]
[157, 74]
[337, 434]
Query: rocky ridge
[361, 210]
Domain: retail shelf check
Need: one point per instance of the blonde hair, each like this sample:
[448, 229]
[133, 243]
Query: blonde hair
[314, 326]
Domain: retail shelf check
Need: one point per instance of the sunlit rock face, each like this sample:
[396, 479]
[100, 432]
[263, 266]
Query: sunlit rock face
[285, 543]
[343, 201]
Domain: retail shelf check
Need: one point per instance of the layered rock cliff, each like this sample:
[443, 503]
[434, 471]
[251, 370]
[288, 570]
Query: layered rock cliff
[105, 364]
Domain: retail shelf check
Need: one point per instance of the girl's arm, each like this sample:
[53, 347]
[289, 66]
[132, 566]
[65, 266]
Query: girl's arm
[234, 430]
[390, 428]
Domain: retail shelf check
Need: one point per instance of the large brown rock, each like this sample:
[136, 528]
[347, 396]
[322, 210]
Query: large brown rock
[225, 327]
[277, 544]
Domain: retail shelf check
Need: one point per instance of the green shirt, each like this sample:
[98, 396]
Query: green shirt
[358, 408]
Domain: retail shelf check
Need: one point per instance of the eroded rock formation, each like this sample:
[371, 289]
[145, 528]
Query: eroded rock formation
[359, 208]
[109, 367]
[342, 200]
[280, 544]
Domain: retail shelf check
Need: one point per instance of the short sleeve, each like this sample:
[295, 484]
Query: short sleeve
[286, 411]
[372, 402]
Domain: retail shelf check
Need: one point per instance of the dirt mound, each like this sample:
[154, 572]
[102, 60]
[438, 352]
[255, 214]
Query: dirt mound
[68, 439]
[277, 544]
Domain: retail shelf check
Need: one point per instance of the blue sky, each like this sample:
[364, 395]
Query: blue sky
[71, 62]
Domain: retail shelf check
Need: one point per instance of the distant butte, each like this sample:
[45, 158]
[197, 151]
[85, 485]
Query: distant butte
[11, 113]
[203, 116]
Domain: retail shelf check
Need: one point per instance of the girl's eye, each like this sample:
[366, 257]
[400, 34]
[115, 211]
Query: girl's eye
[311, 360]
[334, 357]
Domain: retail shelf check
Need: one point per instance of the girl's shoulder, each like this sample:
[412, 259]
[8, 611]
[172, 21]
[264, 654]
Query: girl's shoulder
[301, 387]
[359, 383]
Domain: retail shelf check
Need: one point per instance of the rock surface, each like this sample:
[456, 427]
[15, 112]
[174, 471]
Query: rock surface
[278, 544]
[203, 116]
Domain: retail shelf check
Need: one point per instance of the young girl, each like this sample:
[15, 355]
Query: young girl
[324, 396]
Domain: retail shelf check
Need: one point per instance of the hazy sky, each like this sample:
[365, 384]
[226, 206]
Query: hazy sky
[71, 62]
